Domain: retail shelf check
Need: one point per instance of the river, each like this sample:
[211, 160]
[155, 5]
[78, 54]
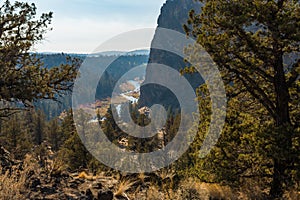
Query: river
[132, 99]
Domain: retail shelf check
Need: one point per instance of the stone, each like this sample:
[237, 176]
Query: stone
[105, 195]
[34, 183]
[97, 186]
[89, 194]
[47, 190]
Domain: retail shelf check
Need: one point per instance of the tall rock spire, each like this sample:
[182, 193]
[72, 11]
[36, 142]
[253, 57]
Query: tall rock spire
[174, 14]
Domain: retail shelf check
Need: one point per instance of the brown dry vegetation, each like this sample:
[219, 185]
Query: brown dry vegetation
[13, 186]
[13, 182]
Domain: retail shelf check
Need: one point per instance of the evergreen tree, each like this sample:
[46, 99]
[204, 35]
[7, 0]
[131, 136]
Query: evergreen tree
[256, 46]
[16, 136]
[73, 152]
[54, 134]
[40, 127]
[23, 78]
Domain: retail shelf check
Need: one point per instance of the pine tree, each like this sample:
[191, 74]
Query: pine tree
[54, 134]
[73, 152]
[40, 127]
[23, 78]
[255, 45]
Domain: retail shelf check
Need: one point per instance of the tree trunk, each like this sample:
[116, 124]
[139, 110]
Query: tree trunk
[283, 121]
[278, 179]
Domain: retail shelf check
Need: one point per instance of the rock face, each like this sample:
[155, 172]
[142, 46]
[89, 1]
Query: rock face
[174, 15]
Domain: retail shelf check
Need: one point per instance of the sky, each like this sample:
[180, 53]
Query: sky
[80, 26]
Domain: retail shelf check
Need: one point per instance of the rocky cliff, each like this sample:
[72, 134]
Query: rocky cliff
[174, 15]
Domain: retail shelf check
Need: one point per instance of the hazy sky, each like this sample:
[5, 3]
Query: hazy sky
[80, 26]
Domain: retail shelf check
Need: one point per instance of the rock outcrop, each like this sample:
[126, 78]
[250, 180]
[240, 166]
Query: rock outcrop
[174, 14]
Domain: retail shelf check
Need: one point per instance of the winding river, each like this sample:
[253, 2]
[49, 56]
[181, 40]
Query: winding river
[132, 99]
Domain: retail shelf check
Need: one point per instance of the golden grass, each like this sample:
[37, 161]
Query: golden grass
[153, 193]
[12, 185]
[123, 186]
[193, 189]
[141, 177]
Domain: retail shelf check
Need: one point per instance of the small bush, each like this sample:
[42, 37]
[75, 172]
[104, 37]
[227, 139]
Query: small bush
[13, 182]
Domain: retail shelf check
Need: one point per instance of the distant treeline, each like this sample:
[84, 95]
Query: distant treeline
[114, 71]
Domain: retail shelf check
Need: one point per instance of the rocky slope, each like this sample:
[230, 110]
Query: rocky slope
[42, 178]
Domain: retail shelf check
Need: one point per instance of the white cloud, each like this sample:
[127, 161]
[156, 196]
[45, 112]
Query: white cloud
[83, 35]
[82, 25]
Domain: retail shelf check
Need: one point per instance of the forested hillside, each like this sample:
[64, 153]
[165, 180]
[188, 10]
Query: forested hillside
[107, 82]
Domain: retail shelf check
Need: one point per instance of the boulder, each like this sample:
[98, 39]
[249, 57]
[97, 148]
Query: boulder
[105, 195]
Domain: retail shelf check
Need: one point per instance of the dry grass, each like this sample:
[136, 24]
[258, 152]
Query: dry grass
[153, 193]
[123, 186]
[57, 166]
[193, 189]
[12, 185]
[165, 174]
[141, 177]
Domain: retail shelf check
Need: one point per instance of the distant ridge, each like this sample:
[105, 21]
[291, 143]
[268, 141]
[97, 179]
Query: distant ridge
[122, 53]
[104, 53]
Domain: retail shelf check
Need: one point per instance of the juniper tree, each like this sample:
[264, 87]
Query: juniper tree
[256, 44]
[23, 78]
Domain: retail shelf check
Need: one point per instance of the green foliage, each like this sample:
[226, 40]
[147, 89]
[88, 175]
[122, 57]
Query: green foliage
[15, 135]
[256, 47]
[25, 131]
[23, 79]
[55, 135]
[72, 151]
